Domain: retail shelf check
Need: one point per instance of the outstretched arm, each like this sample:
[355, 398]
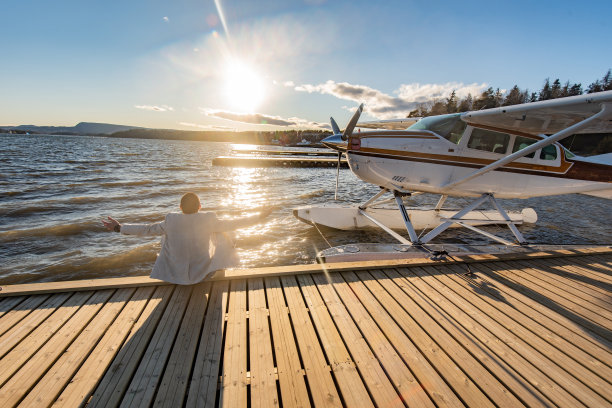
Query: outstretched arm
[230, 225]
[157, 228]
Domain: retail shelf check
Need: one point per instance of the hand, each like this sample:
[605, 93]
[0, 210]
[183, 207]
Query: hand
[110, 224]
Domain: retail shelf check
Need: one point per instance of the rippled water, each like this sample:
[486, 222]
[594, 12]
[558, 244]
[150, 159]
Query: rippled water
[55, 189]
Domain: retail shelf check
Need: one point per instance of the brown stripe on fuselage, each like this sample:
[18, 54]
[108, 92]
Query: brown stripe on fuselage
[467, 161]
[578, 170]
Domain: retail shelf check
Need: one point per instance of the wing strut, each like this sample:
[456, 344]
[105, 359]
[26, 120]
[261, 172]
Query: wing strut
[606, 110]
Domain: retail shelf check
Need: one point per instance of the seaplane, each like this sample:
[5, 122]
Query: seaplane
[482, 156]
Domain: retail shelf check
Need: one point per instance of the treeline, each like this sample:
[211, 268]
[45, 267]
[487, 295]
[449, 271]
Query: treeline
[284, 137]
[491, 98]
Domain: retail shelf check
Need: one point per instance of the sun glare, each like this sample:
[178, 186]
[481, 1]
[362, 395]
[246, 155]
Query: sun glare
[244, 87]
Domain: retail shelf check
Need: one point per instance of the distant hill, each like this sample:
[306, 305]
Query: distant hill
[82, 128]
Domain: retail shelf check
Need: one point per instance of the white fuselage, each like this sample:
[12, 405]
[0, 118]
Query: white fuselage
[423, 161]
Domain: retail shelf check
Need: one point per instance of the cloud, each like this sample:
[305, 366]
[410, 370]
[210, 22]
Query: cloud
[166, 19]
[261, 119]
[385, 106]
[288, 84]
[162, 108]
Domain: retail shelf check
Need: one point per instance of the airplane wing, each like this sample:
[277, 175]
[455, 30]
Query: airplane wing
[547, 117]
[562, 117]
[391, 124]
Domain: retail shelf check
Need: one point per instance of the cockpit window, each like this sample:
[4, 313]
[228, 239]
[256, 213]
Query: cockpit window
[450, 127]
[549, 153]
[522, 142]
[489, 141]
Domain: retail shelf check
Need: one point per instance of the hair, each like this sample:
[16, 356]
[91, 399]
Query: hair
[190, 203]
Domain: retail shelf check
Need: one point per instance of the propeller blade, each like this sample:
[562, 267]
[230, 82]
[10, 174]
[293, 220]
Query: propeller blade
[351, 125]
[335, 127]
[337, 175]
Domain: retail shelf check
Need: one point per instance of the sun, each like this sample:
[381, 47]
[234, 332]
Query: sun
[244, 87]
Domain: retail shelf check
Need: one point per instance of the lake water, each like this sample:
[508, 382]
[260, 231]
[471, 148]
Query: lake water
[55, 189]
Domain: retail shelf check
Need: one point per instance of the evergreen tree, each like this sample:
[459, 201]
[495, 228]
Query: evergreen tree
[607, 81]
[486, 100]
[595, 87]
[575, 89]
[451, 103]
[465, 104]
[555, 89]
[438, 108]
[498, 97]
[515, 96]
[545, 92]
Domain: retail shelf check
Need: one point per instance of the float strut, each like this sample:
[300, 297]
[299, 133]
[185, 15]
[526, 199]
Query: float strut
[414, 239]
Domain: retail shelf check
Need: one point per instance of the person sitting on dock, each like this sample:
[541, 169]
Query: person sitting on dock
[193, 244]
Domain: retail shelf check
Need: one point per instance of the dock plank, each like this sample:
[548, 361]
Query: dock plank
[174, 382]
[542, 355]
[83, 383]
[594, 267]
[407, 385]
[22, 352]
[571, 290]
[290, 375]
[15, 315]
[424, 371]
[203, 384]
[115, 381]
[263, 375]
[320, 382]
[57, 377]
[526, 333]
[27, 376]
[352, 388]
[379, 385]
[233, 392]
[18, 332]
[572, 275]
[8, 303]
[424, 322]
[567, 305]
[563, 326]
[497, 349]
[146, 379]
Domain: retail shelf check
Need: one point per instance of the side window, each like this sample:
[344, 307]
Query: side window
[489, 141]
[549, 153]
[522, 142]
[454, 136]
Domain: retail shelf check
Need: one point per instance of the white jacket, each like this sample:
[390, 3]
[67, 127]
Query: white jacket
[192, 245]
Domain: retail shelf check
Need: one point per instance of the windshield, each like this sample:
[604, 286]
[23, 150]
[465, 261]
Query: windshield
[444, 125]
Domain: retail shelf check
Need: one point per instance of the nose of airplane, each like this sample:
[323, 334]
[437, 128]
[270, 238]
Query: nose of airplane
[335, 142]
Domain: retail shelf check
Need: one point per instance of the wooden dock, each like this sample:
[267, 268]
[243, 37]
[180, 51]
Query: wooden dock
[258, 161]
[524, 330]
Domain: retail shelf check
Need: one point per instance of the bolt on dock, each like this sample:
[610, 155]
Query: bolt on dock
[520, 330]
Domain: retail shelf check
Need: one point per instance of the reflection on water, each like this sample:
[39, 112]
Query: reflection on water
[55, 189]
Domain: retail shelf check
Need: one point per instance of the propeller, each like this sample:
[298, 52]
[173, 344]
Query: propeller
[337, 141]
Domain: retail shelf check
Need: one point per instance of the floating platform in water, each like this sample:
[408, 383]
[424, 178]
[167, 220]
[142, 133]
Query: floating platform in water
[250, 161]
[526, 329]
[286, 152]
[349, 218]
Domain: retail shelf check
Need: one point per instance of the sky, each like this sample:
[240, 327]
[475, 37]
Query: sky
[275, 64]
